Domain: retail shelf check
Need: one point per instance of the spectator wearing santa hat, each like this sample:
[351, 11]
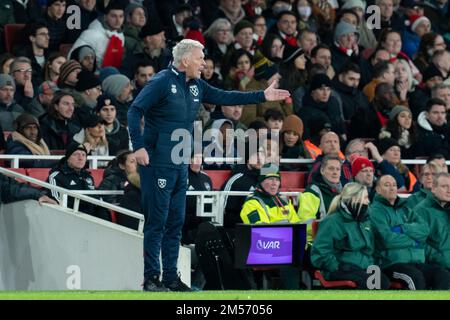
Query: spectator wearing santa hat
[419, 25]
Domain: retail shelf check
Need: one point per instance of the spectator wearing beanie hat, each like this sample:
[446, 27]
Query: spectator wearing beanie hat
[136, 18]
[345, 46]
[27, 139]
[291, 142]
[9, 109]
[367, 38]
[68, 73]
[85, 55]
[105, 36]
[154, 49]
[363, 172]
[418, 26]
[89, 88]
[70, 173]
[402, 128]
[119, 86]
[319, 102]
[388, 157]
[116, 133]
[266, 72]
[243, 36]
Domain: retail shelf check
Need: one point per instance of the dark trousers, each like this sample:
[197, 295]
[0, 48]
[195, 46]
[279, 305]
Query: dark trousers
[163, 197]
[359, 276]
[420, 276]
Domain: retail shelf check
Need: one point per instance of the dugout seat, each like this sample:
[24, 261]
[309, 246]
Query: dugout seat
[218, 177]
[396, 285]
[97, 174]
[293, 180]
[21, 171]
[38, 173]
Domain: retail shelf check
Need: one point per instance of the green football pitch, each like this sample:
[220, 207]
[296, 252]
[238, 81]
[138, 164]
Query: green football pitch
[227, 295]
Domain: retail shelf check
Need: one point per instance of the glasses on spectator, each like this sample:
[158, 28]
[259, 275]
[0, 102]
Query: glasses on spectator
[24, 70]
[260, 25]
[44, 34]
[223, 30]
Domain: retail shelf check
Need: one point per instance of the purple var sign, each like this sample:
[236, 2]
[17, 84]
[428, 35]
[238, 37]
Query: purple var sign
[271, 246]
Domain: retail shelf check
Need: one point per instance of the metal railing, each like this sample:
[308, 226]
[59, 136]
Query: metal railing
[78, 196]
[15, 159]
[93, 160]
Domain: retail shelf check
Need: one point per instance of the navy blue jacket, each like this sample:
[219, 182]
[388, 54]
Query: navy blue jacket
[168, 103]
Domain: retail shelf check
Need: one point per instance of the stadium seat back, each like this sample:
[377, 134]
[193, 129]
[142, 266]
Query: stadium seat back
[97, 174]
[293, 180]
[38, 173]
[218, 177]
[64, 48]
[21, 171]
[14, 36]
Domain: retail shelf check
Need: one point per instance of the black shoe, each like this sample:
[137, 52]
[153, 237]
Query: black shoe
[178, 285]
[153, 284]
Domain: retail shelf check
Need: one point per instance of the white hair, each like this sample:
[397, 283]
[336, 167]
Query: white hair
[219, 23]
[184, 48]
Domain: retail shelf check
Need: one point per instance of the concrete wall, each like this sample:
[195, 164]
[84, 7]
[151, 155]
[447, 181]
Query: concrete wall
[50, 248]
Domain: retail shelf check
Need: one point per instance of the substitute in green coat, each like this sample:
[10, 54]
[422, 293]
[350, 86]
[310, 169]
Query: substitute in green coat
[344, 246]
[429, 170]
[400, 235]
[435, 210]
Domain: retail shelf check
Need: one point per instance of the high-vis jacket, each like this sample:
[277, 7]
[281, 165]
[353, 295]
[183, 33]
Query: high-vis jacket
[261, 207]
[169, 102]
[314, 203]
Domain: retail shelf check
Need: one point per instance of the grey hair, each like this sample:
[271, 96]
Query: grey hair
[438, 87]
[18, 60]
[438, 176]
[182, 49]
[351, 144]
[218, 24]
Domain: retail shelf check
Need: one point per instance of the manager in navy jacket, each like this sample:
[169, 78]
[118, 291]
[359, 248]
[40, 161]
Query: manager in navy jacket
[170, 101]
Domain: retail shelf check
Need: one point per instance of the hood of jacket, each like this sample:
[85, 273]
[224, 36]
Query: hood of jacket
[423, 122]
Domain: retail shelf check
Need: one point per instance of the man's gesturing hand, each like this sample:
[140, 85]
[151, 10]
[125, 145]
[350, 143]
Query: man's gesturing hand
[142, 157]
[274, 94]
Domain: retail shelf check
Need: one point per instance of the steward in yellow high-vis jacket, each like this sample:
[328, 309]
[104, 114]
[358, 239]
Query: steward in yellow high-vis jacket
[265, 204]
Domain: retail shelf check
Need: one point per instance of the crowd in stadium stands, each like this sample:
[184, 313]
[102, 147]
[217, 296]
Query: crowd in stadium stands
[363, 98]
